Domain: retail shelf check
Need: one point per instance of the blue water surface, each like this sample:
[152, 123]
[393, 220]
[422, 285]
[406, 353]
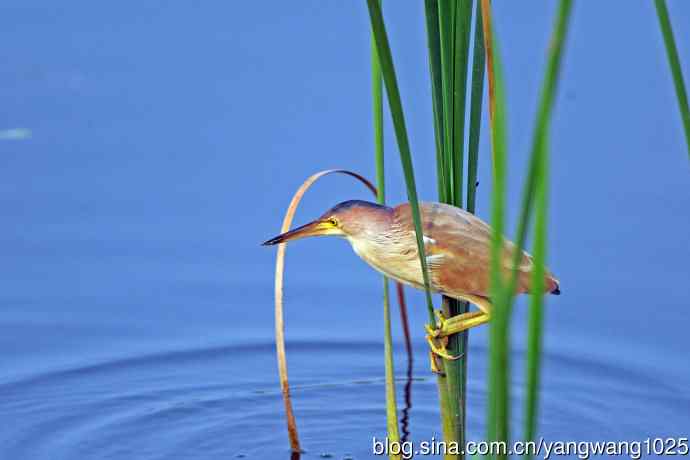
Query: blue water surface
[148, 148]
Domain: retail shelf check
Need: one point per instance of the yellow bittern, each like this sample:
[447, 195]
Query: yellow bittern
[457, 246]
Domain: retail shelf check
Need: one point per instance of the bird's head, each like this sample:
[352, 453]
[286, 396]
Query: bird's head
[350, 219]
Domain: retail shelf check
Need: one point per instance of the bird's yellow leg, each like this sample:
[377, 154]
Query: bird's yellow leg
[466, 321]
[461, 323]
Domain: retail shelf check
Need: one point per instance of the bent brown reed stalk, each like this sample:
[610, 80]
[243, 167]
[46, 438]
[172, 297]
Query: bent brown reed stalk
[279, 321]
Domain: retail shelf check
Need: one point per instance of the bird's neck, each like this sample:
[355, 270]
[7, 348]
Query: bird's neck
[375, 242]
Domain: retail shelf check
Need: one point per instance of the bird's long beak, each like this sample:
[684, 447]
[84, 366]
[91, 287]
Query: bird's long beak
[315, 228]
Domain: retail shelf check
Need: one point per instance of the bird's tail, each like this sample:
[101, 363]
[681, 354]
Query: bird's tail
[553, 285]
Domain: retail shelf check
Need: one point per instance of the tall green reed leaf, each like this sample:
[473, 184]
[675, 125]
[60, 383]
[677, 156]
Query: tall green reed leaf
[540, 158]
[541, 128]
[446, 30]
[462, 26]
[395, 105]
[377, 112]
[674, 63]
[434, 44]
[476, 97]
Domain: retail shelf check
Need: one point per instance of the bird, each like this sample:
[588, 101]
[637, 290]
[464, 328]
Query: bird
[457, 247]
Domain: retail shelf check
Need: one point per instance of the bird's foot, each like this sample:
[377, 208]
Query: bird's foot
[437, 338]
[438, 341]
[438, 347]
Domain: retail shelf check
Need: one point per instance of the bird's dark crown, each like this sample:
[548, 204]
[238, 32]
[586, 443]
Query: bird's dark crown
[345, 205]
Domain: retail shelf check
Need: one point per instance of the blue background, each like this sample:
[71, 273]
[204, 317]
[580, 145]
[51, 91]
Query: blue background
[157, 144]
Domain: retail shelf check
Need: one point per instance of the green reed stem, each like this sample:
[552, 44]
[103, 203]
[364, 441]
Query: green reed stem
[499, 393]
[377, 112]
[448, 384]
[454, 28]
[458, 343]
[674, 63]
[541, 130]
[536, 309]
[392, 426]
[448, 30]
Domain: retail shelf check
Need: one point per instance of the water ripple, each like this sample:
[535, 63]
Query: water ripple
[179, 404]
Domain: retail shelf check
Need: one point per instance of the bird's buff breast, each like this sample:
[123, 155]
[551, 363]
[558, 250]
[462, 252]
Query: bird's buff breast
[384, 258]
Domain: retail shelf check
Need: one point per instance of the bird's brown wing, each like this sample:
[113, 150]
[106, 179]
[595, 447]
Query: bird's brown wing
[458, 247]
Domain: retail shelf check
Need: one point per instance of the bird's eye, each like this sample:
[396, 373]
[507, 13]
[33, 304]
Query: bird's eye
[333, 221]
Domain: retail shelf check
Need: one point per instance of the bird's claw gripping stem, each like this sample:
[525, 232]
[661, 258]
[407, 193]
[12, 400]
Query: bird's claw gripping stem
[438, 341]
[438, 337]
[440, 348]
